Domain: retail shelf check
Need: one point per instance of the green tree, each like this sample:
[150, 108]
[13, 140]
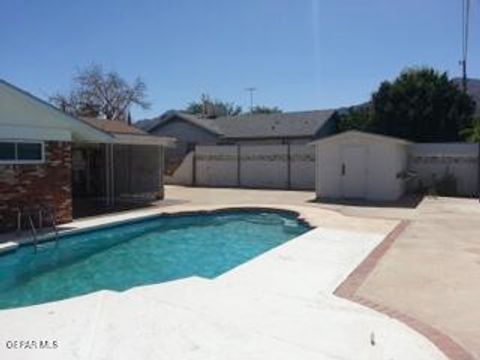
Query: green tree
[472, 132]
[355, 118]
[421, 105]
[212, 108]
[260, 109]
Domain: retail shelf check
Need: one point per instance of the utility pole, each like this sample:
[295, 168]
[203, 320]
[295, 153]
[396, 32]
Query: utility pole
[465, 30]
[251, 90]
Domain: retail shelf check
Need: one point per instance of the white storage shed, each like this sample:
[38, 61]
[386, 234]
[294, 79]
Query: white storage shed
[359, 165]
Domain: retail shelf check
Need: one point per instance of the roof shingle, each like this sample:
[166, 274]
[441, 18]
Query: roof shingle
[291, 124]
[114, 127]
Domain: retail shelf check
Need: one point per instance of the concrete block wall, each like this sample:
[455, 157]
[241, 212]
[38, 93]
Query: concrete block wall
[216, 166]
[34, 184]
[302, 167]
[254, 166]
[432, 161]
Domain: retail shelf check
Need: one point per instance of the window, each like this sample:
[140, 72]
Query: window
[7, 151]
[21, 152]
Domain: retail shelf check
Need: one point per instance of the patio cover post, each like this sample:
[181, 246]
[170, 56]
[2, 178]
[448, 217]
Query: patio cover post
[109, 175]
[112, 176]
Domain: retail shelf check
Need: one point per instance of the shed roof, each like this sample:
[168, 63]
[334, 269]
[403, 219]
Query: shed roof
[352, 134]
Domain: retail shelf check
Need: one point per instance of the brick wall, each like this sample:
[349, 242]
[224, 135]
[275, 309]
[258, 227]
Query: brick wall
[30, 185]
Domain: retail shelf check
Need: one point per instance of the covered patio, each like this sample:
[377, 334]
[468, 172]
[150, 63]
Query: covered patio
[122, 175]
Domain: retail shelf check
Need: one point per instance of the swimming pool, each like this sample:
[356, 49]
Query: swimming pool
[143, 252]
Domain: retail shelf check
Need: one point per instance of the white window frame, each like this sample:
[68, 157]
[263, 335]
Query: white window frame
[16, 161]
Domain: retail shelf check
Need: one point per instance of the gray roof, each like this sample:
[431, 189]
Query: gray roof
[152, 124]
[290, 124]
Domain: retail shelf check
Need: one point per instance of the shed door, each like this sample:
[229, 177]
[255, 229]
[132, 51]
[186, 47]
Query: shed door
[354, 170]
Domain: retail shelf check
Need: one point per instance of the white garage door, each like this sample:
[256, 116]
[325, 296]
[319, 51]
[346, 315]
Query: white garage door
[354, 170]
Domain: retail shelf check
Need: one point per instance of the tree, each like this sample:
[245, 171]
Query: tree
[421, 105]
[355, 118]
[259, 109]
[102, 94]
[472, 132]
[212, 108]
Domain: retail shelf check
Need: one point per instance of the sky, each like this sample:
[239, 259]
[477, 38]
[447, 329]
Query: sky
[299, 54]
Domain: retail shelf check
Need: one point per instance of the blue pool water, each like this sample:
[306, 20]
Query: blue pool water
[144, 252]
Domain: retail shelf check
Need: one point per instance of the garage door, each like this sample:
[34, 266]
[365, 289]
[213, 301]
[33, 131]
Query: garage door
[354, 171]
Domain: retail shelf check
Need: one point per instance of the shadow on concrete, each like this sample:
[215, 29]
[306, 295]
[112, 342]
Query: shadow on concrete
[406, 202]
[88, 207]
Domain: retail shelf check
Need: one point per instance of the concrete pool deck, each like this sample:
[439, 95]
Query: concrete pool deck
[279, 305]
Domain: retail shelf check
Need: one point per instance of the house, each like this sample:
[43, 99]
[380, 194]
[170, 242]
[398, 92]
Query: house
[359, 165]
[50, 158]
[248, 129]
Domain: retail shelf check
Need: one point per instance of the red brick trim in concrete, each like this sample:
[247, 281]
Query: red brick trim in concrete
[350, 285]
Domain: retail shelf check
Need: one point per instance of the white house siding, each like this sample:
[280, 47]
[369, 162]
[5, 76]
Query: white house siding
[431, 162]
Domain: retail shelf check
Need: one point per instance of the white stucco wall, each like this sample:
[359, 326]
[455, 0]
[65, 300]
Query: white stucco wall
[302, 167]
[216, 165]
[184, 173]
[432, 161]
[264, 166]
[261, 166]
[384, 161]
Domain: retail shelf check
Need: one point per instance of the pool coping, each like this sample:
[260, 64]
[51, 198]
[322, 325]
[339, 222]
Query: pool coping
[348, 288]
[11, 246]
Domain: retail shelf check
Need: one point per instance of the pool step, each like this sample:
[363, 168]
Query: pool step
[8, 246]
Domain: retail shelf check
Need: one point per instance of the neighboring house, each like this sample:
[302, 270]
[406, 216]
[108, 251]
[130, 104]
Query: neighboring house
[45, 153]
[187, 130]
[249, 129]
